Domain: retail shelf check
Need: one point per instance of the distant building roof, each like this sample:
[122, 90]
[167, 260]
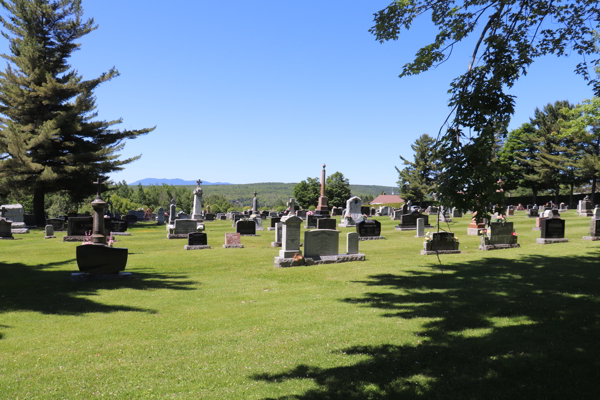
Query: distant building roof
[387, 198]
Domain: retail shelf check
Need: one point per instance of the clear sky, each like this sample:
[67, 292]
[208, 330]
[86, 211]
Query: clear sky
[267, 91]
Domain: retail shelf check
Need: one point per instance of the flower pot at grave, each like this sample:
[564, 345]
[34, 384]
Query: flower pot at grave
[97, 259]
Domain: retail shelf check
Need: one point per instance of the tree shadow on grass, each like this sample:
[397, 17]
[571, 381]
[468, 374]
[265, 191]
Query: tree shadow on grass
[42, 289]
[492, 328]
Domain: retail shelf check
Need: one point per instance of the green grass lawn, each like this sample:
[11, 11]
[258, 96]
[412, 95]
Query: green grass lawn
[226, 324]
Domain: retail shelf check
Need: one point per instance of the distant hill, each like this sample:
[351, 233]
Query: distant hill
[174, 182]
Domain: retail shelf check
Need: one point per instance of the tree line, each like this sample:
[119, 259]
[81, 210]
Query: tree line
[557, 151]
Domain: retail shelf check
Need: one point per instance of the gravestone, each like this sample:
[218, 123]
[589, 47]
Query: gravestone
[326, 223]
[5, 226]
[311, 221]
[130, 218]
[273, 214]
[198, 204]
[594, 229]
[140, 216]
[209, 217]
[49, 232]
[369, 230]
[420, 227]
[585, 209]
[77, 227]
[117, 226]
[58, 224]
[353, 213]
[182, 228]
[456, 213]
[160, 217]
[384, 210]
[319, 243]
[274, 222]
[246, 227]
[290, 240]
[475, 228]
[396, 215]
[440, 243]
[232, 241]
[182, 215]
[258, 222]
[29, 220]
[510, 211]
[301, 214]
[352, 240]
[365, 210]
[236, 217]
[197, 241]
[408, 222]
[499, 235]
[98, 258]
[278, 235]
[16, 214]
[533, 213]
[553, 231]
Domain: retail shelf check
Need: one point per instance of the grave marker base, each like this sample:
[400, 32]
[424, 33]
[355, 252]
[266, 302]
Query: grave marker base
[271, 229]
[177, 236]
[411, 227]
[281, 262]
[275, 244]
[433, 252]
[550, 241]
[498, 246]
[120, 234]
[591, 238]
[536, 228]
[50, 237]
[19, 231]
[73, 238]
[248, 234]
[233, 246]
[83, 277]
[371, 238]
[6, 238]
[197, 247]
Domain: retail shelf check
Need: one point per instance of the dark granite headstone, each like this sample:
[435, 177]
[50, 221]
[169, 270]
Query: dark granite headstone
[245, 227]
[78, 226]
[411, 219]
[275, 220]
[311, 221]
[209, 217]
[116, 225]
[441, 241]
[368, 228]
[29, 219]
[365, 210]
[197, 239]
[552, 228]
[326, 223]
[533, 213]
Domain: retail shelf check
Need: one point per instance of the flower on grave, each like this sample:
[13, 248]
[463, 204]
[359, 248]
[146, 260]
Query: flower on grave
[309, 213]
[514, 233]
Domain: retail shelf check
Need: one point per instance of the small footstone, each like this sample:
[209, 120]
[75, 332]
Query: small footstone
[233, 246]
[550, 241]
[196, 247]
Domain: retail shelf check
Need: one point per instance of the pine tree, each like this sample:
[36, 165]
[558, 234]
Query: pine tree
[417, 179]
[553, 162]
[50, 139]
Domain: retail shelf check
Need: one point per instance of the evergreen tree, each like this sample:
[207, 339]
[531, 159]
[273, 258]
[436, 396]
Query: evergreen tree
[50, 139]
[583, 127]
[417, 179]
[552, 164]
[337, 190]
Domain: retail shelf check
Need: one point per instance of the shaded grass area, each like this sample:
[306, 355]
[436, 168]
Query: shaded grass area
[497, 329]
[226, 324]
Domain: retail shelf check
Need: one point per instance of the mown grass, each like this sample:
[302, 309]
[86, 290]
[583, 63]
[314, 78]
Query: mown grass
[226, 324]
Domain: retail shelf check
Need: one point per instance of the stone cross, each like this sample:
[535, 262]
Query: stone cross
[292, 205]
[2, 211]
[99, 183]
[255, 193]
[198, 182]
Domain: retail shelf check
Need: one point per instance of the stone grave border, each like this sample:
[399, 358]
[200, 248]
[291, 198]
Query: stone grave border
[551, 240]
[197, 247]
[498, 246]
[281, 262]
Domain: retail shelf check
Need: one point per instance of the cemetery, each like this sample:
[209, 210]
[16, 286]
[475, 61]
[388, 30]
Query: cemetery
[307, 289]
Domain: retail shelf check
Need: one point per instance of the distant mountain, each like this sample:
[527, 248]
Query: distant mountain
[174, 182]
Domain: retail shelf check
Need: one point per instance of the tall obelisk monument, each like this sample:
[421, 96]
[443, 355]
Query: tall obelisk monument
[322, 207]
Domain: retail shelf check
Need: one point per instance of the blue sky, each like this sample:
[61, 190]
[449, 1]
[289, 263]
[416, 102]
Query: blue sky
[267, 91]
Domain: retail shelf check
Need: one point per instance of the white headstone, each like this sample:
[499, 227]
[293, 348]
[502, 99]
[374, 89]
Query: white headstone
[290, 242]
[352, 243]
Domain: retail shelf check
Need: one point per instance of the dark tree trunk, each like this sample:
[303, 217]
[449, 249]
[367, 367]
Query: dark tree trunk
[534, 196]
[571, 196]
[38, 207]
[593, 191]
[557, 193]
